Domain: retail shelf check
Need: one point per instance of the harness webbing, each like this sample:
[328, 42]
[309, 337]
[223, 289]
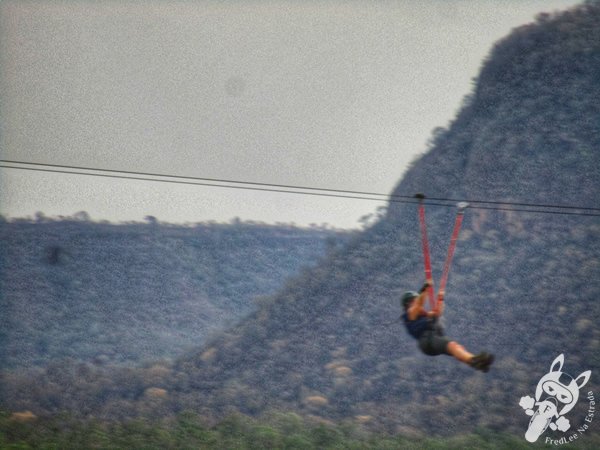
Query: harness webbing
[451, 248]
[426, 254]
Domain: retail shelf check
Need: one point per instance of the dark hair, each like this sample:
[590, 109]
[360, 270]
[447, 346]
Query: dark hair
[408, 298]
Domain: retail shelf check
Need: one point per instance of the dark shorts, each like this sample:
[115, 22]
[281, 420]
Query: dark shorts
[433, 343]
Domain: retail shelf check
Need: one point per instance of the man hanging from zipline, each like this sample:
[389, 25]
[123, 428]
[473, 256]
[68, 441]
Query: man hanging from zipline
[424, 325]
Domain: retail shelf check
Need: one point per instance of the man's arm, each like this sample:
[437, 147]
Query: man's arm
[416, 308]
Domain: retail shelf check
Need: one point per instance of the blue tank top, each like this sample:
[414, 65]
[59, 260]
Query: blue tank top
[417, 327]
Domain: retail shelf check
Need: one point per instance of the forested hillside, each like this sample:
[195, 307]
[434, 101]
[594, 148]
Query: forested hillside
[107, 293]
[524, 283]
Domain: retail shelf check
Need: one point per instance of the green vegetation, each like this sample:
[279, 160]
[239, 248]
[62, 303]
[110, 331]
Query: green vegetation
[189, 431]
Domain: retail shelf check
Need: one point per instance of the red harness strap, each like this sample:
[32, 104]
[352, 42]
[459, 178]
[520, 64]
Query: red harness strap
[451, 248]
[426, 255]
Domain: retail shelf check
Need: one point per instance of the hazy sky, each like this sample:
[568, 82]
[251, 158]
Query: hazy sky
[331, 94]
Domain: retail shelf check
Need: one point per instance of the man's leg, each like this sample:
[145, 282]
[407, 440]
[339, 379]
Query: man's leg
[482, 361]
[459, 352]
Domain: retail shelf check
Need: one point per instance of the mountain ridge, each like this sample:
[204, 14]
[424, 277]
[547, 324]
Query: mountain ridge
[102, 292]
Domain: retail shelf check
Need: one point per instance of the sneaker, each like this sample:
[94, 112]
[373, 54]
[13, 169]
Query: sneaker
[482, 361]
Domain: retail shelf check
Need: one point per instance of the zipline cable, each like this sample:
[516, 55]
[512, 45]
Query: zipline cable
[194, 183]
[302, 190]
[218, 180]
[214, 180]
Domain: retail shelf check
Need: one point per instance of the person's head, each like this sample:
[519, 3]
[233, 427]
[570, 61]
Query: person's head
[408, 298]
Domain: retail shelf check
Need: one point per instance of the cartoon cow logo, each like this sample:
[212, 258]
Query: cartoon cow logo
[556, 394]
